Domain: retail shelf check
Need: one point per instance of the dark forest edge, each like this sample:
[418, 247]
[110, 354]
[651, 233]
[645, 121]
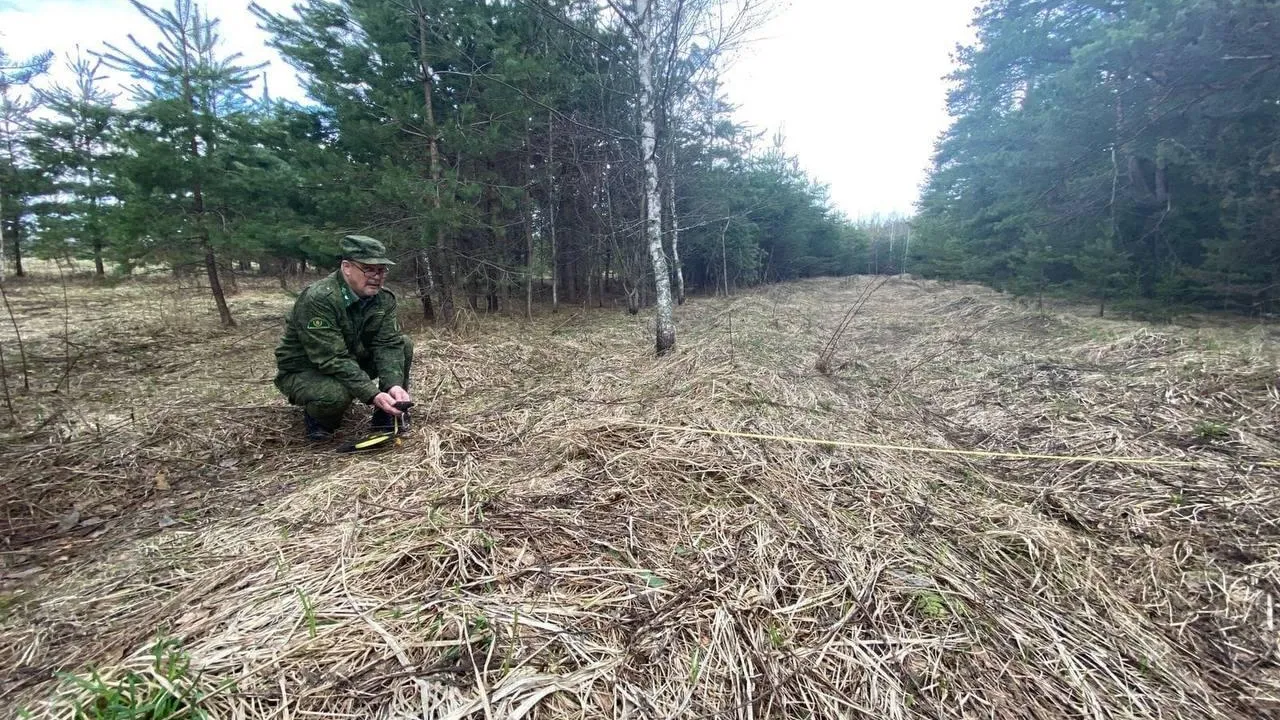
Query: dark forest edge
[1120, 151]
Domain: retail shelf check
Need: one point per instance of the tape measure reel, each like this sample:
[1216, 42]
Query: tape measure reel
[370, 443]
[383, 440]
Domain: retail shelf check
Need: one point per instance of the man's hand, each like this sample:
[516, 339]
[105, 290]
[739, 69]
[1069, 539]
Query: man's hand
[399, 394]
[386, 403]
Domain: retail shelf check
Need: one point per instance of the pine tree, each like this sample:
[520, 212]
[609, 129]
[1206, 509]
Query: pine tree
[18, 180]
[1154, 121]
[75, 150]
[190, 92]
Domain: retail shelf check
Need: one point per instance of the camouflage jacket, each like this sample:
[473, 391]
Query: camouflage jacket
[333, 331]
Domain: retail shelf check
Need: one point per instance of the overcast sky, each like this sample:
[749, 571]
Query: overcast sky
[856, 86]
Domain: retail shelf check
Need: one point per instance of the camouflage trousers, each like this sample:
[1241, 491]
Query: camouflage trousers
[325, 398]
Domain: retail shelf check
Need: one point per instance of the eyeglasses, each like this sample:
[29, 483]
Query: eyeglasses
[370, 270]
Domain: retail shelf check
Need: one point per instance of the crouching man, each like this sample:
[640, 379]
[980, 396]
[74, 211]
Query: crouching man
[342, 342]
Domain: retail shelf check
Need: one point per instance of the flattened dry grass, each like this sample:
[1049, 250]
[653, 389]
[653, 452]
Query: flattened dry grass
[533, 552]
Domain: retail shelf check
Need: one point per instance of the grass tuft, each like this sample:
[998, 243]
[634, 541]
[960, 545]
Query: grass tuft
[164, 691]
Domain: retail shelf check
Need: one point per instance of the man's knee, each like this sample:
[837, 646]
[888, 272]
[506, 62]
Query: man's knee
[328, 412]
[324, 398]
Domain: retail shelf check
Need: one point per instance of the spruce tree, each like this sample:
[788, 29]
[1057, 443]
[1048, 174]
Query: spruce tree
[18, 180]
[74, 150]
[190, 95]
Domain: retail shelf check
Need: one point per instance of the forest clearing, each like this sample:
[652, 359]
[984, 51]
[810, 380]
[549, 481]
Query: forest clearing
[536, 549]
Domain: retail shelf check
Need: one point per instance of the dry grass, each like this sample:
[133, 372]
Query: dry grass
[532, 553]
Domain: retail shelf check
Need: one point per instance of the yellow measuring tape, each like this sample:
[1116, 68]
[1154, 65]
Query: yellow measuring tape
[952, 451]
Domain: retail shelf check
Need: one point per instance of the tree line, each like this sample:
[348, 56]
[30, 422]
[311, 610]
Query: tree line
[1123, 150]
[508, 151]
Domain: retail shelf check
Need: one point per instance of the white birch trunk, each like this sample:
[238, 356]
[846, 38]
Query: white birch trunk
[2, 257]
[906, 251]
[666, 330]
[724, 257]
[675, 222]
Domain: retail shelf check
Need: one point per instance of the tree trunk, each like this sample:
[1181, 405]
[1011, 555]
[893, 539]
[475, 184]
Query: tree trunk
[444, 257]
[17, 251]
[211, 262]
[97, 233]
[2, 257]
[497, 245]
[211, 267]
[665, 339]
[426, 285]
[551, 209]
[675, 223]
[1115, 179]
[608, 269]
[528, 236]
[724, 256]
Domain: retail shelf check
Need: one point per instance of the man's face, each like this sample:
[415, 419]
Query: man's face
[364, 280]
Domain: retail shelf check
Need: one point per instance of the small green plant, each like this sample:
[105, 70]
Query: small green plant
[776, 636]
[1211, 344]
[308, 612]
[653, 580]
[931, 605]
[166, 691]
[1209, 430]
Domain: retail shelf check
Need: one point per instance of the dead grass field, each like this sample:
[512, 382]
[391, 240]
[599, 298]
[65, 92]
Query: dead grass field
[532, 551]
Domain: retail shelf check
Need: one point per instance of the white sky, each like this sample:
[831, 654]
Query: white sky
[855, 85]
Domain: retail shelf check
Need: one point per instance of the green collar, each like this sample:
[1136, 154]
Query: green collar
[349, 298]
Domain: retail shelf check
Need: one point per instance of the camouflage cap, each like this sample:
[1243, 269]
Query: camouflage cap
[364, 249]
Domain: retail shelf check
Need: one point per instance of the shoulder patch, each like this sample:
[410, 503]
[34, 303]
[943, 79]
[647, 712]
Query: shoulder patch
[318, 323]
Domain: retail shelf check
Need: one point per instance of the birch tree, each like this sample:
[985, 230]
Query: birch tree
[641, 20]
[674, 40]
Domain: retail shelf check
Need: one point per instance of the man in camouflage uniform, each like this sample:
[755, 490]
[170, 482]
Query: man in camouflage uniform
[342, 342]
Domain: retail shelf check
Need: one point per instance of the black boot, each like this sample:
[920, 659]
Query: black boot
[383, 421]
[316, 431]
